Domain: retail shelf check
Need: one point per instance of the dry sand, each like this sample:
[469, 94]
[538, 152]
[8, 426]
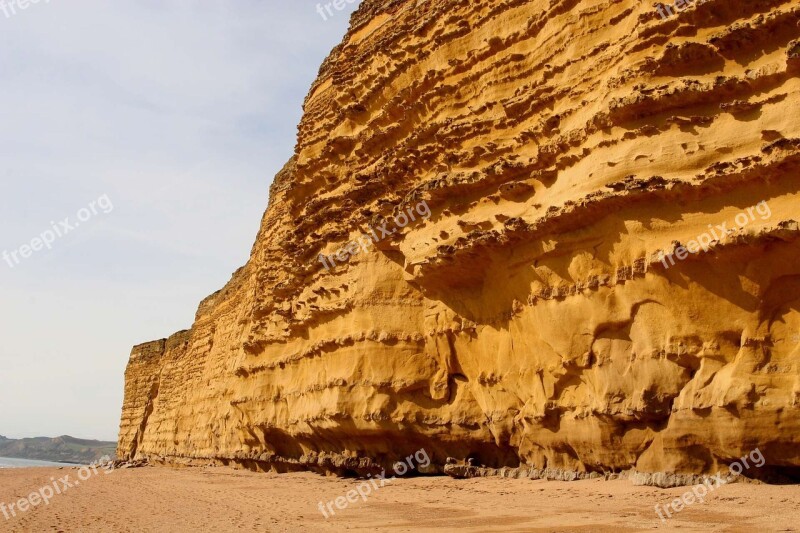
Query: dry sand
[222, 499]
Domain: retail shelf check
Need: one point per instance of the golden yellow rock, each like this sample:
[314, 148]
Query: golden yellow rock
[601, 273]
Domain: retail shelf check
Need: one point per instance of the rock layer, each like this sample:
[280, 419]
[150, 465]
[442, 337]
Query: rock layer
[533, 320]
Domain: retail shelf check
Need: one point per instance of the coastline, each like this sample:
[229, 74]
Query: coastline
[18, 462]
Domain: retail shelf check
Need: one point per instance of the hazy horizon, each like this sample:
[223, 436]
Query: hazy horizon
[177, 115]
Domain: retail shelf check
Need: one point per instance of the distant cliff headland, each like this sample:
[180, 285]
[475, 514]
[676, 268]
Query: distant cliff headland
[64, 449]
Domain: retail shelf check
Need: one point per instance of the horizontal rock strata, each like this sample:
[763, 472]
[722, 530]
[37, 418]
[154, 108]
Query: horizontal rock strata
[546, 315]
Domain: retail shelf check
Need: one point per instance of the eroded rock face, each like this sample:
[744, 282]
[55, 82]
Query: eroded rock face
[562, 147]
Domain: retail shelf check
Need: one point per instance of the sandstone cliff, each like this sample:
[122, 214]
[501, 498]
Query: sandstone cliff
[562, 147]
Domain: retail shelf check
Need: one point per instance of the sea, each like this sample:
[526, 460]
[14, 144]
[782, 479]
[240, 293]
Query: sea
[8, 462]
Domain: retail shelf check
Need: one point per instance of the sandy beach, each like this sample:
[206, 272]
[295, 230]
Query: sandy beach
[223, 499]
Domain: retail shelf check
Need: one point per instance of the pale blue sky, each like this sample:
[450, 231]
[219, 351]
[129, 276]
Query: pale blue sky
[181, 111]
